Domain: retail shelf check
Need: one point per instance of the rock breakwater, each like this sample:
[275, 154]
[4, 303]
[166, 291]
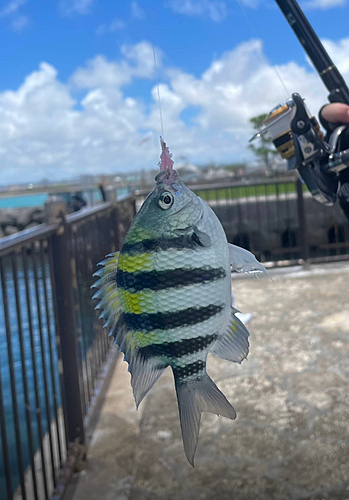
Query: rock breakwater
[13, 220]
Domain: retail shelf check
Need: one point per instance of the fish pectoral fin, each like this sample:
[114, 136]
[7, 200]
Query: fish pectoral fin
[233, 345]
[200, 237]
[193, 398]
[243, 261]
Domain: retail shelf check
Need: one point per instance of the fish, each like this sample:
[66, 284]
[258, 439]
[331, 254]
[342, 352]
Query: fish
[167, 298]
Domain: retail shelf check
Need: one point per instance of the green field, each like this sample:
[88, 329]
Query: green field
[247, 191]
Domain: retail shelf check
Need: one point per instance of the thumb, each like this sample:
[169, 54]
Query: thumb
[336, 112]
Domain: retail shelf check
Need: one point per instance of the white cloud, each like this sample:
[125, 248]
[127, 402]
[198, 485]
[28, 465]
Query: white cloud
[12, 7]
[99, 72]
[237, 86]
[111, 27]
[138, 61]
[19, 23]
[339, 53]
[70, 7]
[136, 11]
[323, 4]
[216, 10]
[141, 55]
[45, 132]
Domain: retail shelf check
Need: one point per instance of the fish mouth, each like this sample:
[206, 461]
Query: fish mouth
[167, 177]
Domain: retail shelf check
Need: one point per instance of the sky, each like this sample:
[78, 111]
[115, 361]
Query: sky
[79, 80]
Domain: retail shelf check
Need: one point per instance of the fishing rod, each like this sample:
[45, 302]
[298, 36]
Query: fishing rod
[322, 161]
[328, 72]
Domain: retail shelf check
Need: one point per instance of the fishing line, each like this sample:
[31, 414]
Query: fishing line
[159, 100]
[256, 34]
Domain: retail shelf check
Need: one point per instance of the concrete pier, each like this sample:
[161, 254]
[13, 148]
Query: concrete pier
[291, 436]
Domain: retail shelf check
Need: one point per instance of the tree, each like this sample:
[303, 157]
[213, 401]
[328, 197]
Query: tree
[265, 151]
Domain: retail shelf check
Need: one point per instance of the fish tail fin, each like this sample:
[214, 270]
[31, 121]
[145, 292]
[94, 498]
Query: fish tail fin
[194, 397]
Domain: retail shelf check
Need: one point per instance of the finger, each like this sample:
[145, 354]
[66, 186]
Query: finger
[336, 112]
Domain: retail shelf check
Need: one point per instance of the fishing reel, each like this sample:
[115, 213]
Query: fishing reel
[297, 137]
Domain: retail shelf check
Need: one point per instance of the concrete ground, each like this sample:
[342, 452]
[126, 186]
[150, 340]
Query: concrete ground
[291, 436]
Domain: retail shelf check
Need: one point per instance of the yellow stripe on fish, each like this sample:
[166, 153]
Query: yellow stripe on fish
[132, 263]
[144, 339]
[138, 303]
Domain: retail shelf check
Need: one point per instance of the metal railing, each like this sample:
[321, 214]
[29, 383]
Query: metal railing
[52, 345]
[277, 220]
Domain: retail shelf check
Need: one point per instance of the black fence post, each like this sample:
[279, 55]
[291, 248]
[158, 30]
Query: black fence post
[64, 269]
[302, 223]
[115, 237]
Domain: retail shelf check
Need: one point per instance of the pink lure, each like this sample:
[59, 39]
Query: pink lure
[166, 162]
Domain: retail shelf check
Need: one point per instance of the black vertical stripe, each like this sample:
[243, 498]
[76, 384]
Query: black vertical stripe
[181, 373]
[178, 348]
[146, 246]
[161, 280]
[147, 322]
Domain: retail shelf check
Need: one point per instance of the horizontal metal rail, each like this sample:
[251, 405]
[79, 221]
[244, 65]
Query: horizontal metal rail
[88, 212]
[26, 237]
[228, 185]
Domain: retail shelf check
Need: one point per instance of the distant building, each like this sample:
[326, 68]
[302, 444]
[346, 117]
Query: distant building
[213, 173]
[187, 171]
[87, 179]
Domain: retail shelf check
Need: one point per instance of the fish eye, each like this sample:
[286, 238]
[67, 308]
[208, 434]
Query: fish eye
[166, 200]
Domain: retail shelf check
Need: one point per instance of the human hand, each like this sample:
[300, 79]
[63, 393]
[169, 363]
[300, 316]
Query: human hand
[336, 112]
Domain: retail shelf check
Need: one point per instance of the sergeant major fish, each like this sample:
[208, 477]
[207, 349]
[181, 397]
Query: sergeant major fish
[167, 298]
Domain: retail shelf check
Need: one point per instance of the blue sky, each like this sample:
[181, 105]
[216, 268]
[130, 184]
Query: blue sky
[77, 79]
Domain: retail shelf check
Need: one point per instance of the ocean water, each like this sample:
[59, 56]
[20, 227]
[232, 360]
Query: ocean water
[26, 200]
[47, 414]
[38, 199]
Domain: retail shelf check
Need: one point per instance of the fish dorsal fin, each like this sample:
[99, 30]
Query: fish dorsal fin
[144, 372]
[233, 345]
[109, 301]
[243, 261]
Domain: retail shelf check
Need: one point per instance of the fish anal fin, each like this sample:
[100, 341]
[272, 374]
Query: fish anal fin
[233, 345]
[194, 397]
